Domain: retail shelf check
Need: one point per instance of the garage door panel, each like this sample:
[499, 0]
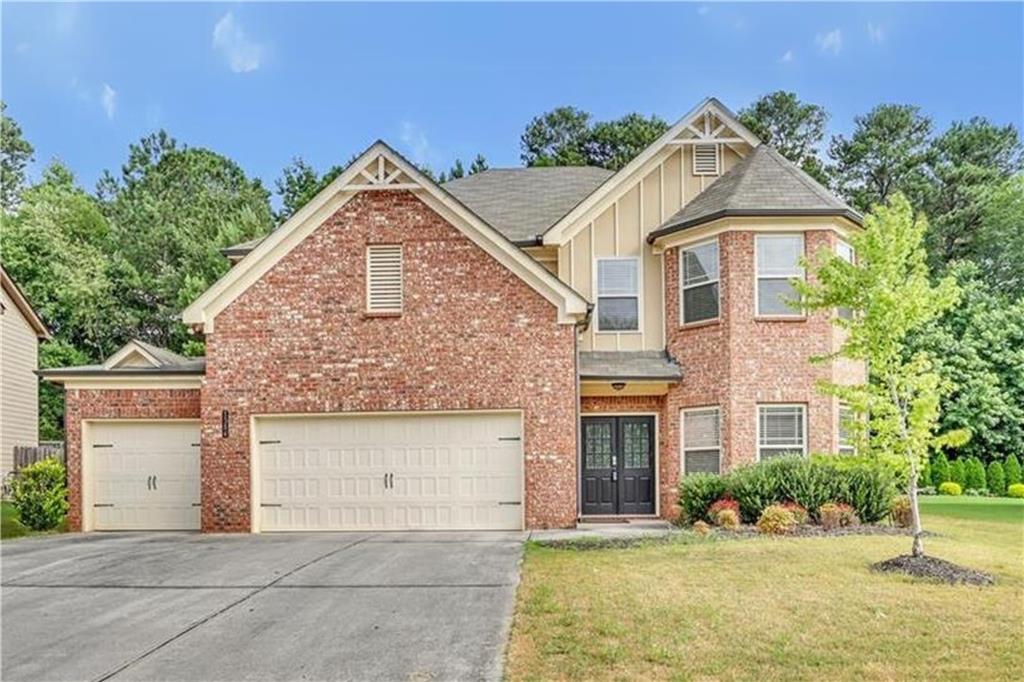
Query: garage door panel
[446, 471]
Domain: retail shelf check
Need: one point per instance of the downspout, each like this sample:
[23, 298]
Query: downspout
[580, 327]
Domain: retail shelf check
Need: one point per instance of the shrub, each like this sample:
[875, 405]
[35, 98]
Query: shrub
[928, 490]
[975, 474]
[1015, 490]
[837, 515]
[976, 492]
[775, 520]
[939, 470]
[697, 492]
[800, 515]
[40, 495]
[950, 488]
[724, 503]
[899, 512]
[957, 473]
[1011, 468]
[701, 528]
[728, 518]
[996, 478]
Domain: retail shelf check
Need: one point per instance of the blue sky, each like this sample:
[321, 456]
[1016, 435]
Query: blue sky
[262, 83]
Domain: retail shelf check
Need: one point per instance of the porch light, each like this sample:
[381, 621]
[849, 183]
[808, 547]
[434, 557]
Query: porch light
[618, 385]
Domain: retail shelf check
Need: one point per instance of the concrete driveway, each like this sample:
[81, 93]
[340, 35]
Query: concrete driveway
[175, 606]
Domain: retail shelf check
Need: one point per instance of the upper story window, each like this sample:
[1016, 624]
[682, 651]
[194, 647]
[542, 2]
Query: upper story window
[702, 441]
[846, 419]
[384, 278]
[781, 431]
[618, 294]
[698, 266]
[845, 251]
[778, 261]
[706, 159]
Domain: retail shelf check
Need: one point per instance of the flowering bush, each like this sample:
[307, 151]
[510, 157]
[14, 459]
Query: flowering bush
[800, 515]
[950, 488]
[727, 517]
[837, 515]
[775, 520]
[724, 503]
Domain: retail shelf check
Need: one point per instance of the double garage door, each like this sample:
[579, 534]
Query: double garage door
[403, 471]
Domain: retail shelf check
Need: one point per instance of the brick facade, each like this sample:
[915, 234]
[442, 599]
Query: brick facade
[85, 404]
[471, 336]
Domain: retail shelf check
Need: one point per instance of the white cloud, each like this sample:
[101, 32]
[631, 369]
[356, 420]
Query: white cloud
[830, 42]
[243, 54]
[786, 57]
[416, 141]
[875, 33]
[108, 100]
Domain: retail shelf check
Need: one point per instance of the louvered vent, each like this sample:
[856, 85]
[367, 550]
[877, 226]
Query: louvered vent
[705, 159]
[384, 278]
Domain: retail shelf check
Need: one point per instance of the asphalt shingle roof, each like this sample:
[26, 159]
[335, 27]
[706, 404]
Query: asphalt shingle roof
[628, 365]
[762, 184]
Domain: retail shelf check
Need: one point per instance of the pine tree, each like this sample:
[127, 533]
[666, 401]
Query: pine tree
[996, 479]
[975, 474]
[1011, 469]
[940, 470]
[479, 165]
[958, 473]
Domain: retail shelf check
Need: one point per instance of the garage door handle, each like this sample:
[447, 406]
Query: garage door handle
[149, 482]
[516, 503]
[391, 482]
[154, 483]
[268, 504]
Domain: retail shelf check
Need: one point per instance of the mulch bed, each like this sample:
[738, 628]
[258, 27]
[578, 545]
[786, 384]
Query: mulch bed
[933, 568]
[810, 531]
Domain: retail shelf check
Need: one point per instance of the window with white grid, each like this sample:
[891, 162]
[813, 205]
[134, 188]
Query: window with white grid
[846, 421]
[698, 266]
[702, 441]
[845, 251]
[778, 263]
[618, 294]
[384, 278]
[781, 431]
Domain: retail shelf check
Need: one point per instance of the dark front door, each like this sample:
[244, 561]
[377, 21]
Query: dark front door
[618, 465]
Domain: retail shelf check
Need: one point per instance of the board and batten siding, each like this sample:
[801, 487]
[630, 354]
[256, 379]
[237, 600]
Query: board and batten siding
[619, 226]
[19, 386]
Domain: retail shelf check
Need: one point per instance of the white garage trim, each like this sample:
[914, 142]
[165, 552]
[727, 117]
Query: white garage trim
[87, 465]
[254, 449]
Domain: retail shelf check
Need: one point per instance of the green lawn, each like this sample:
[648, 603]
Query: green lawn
[777, 609]
[11, 527]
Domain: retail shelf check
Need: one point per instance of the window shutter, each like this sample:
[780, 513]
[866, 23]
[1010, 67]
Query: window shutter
[384, 278]
[705, 159]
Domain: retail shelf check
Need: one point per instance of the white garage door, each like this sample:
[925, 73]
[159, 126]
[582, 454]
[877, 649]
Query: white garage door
[145, 475]
[439, 471]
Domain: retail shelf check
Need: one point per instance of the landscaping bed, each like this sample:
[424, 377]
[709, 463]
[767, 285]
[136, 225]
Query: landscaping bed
[933, 568]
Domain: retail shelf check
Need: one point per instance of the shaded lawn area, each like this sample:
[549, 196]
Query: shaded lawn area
[11, 526]
[798, 608]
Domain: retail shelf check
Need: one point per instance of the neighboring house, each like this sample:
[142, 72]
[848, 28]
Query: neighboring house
[21, 330]
[517, 348]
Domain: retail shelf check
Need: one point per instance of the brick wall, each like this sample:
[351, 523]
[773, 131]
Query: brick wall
[471, 336]
[85, 404]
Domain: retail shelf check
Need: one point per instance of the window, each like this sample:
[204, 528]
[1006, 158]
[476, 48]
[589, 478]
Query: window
[780, 431]
[698, 266]
[845, 251]
[702, 441]
[618, 300]
[778, 261]
[846, 418]
[384, 278]
[706, 160]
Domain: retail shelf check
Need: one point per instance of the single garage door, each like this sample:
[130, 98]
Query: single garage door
[145, 475]
[390, 472]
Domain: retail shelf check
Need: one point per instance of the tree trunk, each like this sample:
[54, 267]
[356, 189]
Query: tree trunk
[915, 512]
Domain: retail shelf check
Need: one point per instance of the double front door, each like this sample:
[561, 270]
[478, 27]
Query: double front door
[618, 465]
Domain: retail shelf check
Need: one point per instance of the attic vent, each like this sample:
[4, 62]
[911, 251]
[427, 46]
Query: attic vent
[384, 278]
[706, 159]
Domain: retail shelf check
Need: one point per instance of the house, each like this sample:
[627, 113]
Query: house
[21, 330]
[517, 348]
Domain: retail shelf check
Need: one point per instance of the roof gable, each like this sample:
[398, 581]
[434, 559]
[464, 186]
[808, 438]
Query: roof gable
[139, 354]
[709, 122]
[380, 168]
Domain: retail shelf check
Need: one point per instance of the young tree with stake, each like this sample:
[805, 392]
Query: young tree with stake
[890, 294]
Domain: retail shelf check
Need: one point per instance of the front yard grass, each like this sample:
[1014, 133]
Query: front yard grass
[11, 526]
[799, 608]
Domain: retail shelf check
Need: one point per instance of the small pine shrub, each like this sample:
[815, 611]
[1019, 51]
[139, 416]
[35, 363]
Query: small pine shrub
[1015, 490]
[837, 515]
[900, 513]
[696, 493]
[800, 515]
[1011, 468]
[996, 478]
[727, 518]
[775, 520]
[939, 470]
[40, 495]
[958, 472]
[951, 488]
[975, 474]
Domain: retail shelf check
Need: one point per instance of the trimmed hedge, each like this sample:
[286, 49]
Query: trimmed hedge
[868, 486]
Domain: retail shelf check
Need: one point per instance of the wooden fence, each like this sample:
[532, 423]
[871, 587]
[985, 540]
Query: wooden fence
[28, 454]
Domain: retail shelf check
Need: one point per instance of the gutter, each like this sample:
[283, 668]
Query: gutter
[847, 213]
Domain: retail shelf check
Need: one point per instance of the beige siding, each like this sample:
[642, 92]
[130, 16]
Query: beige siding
[19, 396]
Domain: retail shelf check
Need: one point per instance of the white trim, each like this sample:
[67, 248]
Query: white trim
[758, 225]
[657, 456]
[718, 160]
[682, 435]
[101, 382]
[799, 273]
[571, 306]
[126, 350]
[597, 295]
[757, 426]
[683, 286]
[388, 250]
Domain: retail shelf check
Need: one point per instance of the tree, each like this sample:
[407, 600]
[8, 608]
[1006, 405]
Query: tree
[15, 155]
[300, 182]
[613, 144]
[958, 472]
[171, 211]
[556, 138]
[793, 127]
[886, 153]
[966, 163]
[996, 478]
[978, 348]
[890, 293]
[940, 469]
[1012, 470]
[479, 165]
[998, 247]
[974, 472]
